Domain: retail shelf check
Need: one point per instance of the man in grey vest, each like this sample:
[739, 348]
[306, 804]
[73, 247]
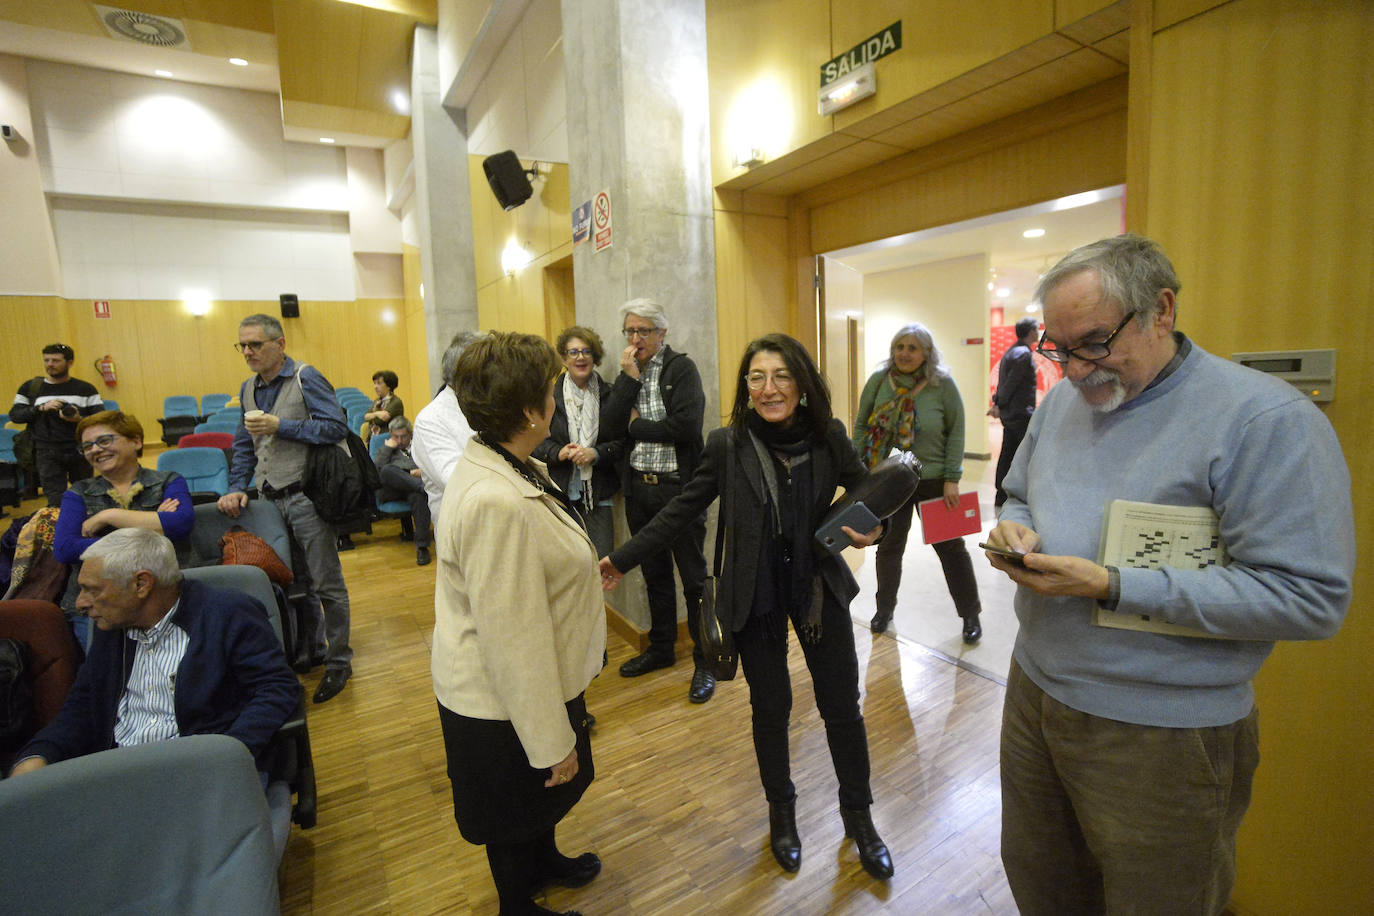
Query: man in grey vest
[286, 408]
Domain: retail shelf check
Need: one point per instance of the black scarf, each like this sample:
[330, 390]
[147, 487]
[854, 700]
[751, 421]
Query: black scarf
[535, 479]
[794, 586]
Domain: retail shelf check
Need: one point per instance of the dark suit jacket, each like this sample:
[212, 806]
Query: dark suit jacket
[834, 464]
[609, 445]
[679, 384]
[233, 680]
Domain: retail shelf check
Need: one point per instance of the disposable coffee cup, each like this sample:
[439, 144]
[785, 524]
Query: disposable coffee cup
[254, 414]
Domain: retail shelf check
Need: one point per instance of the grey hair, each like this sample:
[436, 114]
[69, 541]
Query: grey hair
[398, 423]
[128, 551]
[270, 326]
[934, 367]
[1131, 271]
[647, 309]
[449, 361]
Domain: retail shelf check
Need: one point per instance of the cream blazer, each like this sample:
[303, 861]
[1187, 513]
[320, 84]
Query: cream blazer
[519, 620]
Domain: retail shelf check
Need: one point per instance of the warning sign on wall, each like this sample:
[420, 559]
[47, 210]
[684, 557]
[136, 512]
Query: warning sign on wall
[601, 220]
[102, 308]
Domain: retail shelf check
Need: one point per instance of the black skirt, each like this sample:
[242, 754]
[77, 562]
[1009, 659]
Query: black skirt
[498, 797]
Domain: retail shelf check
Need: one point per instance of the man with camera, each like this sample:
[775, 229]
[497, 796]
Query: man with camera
[52, 405]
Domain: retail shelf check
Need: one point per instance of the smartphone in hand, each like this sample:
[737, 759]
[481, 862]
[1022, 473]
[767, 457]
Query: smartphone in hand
[1011, 556]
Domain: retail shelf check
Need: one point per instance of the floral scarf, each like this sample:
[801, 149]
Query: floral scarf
[892, 424]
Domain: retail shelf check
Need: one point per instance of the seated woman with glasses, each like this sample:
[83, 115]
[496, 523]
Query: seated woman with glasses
[121, 494]
[776, 468]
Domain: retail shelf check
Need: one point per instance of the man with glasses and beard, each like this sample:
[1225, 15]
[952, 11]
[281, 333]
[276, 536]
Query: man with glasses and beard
[1128, 757]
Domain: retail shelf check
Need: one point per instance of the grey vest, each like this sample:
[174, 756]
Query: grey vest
[281, 461]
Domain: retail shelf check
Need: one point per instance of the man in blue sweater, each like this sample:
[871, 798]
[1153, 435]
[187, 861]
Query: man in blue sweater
[170, 658]
[1128, 757]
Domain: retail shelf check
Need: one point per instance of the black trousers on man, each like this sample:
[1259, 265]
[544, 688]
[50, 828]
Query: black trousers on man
[642, 502]
[402, 485]
[58, 468]
[1011, 441]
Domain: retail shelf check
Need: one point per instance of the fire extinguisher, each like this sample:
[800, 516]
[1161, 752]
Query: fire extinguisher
[106, 367]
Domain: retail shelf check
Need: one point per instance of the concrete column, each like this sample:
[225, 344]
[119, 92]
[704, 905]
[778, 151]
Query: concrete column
[638, 127]
[443, 205]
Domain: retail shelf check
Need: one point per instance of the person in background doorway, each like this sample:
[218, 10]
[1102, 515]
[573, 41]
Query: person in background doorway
[911, 404]
[1014, 401]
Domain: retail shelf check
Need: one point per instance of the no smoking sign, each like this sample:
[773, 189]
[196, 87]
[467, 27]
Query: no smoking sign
[601, 220]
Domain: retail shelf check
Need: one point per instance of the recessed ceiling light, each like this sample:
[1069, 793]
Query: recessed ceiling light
[326, 139]
[238, 61]
[162, 72]
[400, 100]
[1032, 233]
[1003, 292]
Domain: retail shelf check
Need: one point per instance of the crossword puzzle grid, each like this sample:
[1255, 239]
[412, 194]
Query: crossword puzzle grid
[1150, 548]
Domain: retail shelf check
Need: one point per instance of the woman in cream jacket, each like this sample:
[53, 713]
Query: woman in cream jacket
[519, 628]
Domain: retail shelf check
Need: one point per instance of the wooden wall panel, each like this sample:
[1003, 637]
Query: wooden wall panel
[27, 325]
[1259, 189]
[1079, 157]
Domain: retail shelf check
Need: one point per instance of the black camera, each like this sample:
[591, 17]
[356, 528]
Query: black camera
[69, 410]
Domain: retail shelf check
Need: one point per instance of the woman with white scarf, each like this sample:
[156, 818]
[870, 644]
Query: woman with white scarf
[581, 461]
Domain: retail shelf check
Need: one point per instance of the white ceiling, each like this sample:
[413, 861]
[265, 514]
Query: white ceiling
[1016, 261]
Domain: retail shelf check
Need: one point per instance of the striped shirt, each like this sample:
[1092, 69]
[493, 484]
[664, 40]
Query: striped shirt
[147, 708]
[655, 457]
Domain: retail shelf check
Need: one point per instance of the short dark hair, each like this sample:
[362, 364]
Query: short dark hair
[500, 376]
[65, 351]
[811, 384]
[1026, 327]
[126, 424]
[387, 376]
[592, 338]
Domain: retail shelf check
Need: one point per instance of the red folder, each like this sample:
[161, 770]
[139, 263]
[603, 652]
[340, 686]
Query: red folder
[941, 524]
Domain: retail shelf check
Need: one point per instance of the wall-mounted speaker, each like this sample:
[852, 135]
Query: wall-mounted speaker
[507, 178]
[290, 306]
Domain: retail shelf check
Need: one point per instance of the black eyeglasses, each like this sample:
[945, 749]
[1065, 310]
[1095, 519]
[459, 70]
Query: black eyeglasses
[1088, 352]
[577, 353]
[104, 441]
[632, 333]
[253, 346]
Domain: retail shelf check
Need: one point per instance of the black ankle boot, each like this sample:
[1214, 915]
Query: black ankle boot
[858, 823]
[880, 621]
[782, 834]
[973, 630]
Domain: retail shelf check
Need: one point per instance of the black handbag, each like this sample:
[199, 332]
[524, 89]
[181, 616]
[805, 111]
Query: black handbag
[717, 641]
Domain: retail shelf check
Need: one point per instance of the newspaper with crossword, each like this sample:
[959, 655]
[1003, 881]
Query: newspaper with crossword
[1148, 536]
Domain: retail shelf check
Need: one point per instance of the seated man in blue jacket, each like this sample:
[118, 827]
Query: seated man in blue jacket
[169, 658]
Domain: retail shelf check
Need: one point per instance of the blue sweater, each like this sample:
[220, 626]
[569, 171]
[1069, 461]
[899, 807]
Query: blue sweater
[1210, 434]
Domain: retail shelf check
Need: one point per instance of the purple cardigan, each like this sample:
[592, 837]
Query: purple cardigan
[233, 680]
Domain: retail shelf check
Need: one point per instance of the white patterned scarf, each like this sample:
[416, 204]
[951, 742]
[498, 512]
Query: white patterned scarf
[584, 414]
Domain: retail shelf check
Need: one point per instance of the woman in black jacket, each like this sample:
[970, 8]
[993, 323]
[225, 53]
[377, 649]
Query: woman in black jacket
[582, 452]
[778, 465]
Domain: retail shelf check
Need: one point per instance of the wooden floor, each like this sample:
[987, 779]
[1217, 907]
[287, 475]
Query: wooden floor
[676, 812]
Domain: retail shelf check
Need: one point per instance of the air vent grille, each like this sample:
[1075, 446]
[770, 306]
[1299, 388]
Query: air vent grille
[143, 28]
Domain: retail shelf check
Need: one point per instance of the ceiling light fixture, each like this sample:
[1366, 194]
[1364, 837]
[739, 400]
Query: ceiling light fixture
[400, 101]
[162, 72]
[1003, 292]
[238, 61]
[1032, 233]
[326, 139]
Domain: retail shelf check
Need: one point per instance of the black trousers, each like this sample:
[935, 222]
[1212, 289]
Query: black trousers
[834, 669]
[1011, 441]
[57, 467]
[954, 558]
[402, 485]
[642, 502]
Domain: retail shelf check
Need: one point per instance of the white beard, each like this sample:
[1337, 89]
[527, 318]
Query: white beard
[1097, 378]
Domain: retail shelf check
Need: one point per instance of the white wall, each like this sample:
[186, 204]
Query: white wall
[129, 250]
[105, 134]
[521, 103]
[28, 253]
[951, 299]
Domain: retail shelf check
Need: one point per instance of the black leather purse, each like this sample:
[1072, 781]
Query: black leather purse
[717, 640]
